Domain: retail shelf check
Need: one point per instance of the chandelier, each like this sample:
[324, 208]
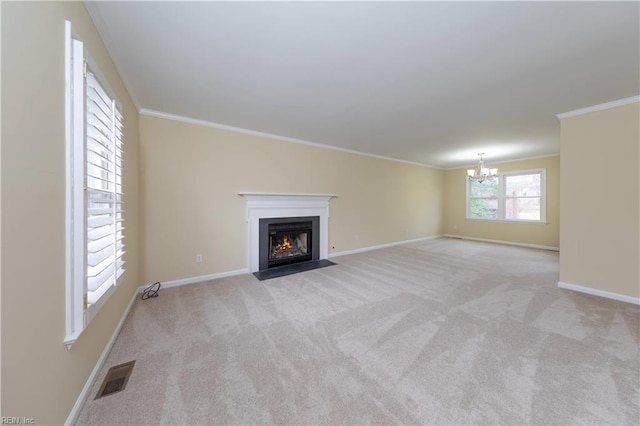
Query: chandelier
[480, 173]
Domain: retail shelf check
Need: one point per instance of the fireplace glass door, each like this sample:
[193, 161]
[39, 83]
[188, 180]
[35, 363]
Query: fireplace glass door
[289, 243]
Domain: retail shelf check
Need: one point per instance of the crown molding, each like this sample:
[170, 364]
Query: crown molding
[205, 123]
[505, 162]
[599, 107]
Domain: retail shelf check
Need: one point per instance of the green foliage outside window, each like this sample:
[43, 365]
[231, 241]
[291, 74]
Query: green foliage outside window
[483, 202]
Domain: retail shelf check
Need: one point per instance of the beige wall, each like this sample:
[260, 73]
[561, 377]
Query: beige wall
[600, 225]
[40, 378]
[456, 223]
[191, 176]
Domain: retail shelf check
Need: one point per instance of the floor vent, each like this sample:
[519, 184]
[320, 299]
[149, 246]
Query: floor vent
[116, 380]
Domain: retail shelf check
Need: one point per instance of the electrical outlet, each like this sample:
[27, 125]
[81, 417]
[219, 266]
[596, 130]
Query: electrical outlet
[357, 237]
[198, 258]
[455, 227]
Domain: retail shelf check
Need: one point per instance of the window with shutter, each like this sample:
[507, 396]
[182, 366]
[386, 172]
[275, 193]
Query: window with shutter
[103, 144]
[95, 240]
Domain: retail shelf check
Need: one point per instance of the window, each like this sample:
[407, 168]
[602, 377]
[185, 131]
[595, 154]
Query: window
[483, 198]
[95, 232]
[513, 196]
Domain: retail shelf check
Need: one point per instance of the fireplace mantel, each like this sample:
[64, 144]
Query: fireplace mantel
[262, 205]
[280, 197]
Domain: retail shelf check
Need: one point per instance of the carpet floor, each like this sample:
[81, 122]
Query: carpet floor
[443, 331]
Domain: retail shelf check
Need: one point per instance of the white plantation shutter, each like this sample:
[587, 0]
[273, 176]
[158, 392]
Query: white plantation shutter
[94, 208]
[103, 190]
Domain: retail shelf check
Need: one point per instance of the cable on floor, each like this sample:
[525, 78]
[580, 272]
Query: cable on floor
[151, 291]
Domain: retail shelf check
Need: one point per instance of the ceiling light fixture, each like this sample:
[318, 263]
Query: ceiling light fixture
[480, 173]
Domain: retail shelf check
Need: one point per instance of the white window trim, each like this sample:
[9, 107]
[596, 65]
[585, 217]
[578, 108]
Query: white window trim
[502, 198]
[77, 318]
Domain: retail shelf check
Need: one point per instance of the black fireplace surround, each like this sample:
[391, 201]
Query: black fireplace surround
[288, 240]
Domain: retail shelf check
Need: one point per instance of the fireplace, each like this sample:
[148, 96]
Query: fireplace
[287, 240]
[262, 205]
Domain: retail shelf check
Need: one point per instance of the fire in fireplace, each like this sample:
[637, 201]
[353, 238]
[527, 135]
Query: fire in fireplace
[283, 246]
[288, 240]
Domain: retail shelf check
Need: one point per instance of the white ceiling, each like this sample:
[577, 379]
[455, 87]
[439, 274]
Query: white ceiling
[427, 82]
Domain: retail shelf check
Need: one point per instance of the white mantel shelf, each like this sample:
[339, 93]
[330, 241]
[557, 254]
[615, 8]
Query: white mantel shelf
[262, 205]
[284, 196]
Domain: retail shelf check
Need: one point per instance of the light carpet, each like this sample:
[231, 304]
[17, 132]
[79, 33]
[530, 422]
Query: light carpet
[443, 331]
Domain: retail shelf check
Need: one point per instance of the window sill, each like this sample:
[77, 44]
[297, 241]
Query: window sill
[72, 336]
[528, 222]
[70, 339]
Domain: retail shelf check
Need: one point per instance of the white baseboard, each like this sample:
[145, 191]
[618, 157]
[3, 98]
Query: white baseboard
[84, 394]
[601, 293]
[509, 243]
[381, 246]
[193, 280]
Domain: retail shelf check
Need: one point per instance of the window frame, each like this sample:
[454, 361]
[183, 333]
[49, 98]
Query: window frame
[502, 197]
[79, 312]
